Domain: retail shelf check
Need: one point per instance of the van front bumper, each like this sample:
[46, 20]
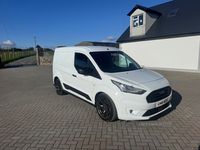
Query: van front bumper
[129, 110]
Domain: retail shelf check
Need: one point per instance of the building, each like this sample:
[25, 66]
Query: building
[166, 36]
[84, 43]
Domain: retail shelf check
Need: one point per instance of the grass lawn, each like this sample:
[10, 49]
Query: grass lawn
[50, 52]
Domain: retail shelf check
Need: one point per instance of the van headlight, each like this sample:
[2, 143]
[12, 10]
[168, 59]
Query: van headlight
[128, 89]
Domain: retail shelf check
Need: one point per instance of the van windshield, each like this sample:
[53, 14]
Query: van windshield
[114, 61]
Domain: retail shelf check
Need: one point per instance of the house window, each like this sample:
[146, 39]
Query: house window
[138, 20]
[173, 12]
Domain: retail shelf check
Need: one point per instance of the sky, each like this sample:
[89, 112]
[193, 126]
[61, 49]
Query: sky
[64, 22]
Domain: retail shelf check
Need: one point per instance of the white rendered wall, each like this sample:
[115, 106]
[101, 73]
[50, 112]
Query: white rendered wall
[175, 53]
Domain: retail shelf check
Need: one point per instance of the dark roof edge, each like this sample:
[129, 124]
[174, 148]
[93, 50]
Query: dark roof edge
[144, 9]
[102, 42]
[158, 38]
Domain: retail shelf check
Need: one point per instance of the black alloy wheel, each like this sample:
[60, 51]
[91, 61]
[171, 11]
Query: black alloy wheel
[106, 108]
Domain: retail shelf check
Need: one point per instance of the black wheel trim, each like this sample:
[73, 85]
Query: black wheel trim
[104, 108]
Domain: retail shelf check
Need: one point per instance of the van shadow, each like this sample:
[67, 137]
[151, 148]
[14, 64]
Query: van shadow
[175, 101]
[17, 66]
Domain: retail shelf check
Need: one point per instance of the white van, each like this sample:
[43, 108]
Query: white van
[112, 81]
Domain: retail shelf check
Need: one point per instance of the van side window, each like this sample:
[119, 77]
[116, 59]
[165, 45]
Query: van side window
[81, 61]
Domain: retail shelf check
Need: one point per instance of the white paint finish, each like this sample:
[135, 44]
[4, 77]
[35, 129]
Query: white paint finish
[175, 53]
[199, 58]
[128, 89]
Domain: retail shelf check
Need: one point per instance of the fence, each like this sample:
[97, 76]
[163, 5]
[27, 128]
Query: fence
[9, 55]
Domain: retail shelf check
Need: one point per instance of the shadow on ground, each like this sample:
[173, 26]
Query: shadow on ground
[175, 101]
[16, 66]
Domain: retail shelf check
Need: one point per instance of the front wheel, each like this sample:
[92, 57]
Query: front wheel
[106, 108]
[58, 86]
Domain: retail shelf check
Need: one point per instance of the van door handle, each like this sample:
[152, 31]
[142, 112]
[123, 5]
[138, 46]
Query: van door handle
[73, 75]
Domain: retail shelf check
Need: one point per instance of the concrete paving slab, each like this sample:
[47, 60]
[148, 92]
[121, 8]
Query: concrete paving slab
[33, 116]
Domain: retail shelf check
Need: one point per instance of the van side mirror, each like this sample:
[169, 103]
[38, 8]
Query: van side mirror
[81, 71]
[84, 71]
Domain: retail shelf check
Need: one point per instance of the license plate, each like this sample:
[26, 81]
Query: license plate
[160, 103]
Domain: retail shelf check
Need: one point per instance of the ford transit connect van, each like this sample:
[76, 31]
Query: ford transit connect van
[112, 81]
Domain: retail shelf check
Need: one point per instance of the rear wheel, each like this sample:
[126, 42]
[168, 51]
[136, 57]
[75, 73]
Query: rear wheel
[58, 86]
[106, 108]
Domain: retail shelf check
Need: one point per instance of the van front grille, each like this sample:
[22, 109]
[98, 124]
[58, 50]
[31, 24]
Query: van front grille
[159, 94]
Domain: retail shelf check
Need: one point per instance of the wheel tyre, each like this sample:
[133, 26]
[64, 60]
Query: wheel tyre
[58, 86]
[106, 108]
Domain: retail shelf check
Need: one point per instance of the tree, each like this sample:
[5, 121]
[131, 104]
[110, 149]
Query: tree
[47, 49]
[30, 49]
[38, 46]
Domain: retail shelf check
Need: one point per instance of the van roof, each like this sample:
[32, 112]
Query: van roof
[87, 49]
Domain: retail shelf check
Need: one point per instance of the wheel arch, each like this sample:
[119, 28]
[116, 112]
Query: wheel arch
[112, 105]
[105, 94]
[115, 96]
[54, 80]
[57, 75]
[95, 99]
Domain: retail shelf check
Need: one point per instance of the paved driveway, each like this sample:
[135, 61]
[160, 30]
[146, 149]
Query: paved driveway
[33, 117]
[23, 62]
[28, 61]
